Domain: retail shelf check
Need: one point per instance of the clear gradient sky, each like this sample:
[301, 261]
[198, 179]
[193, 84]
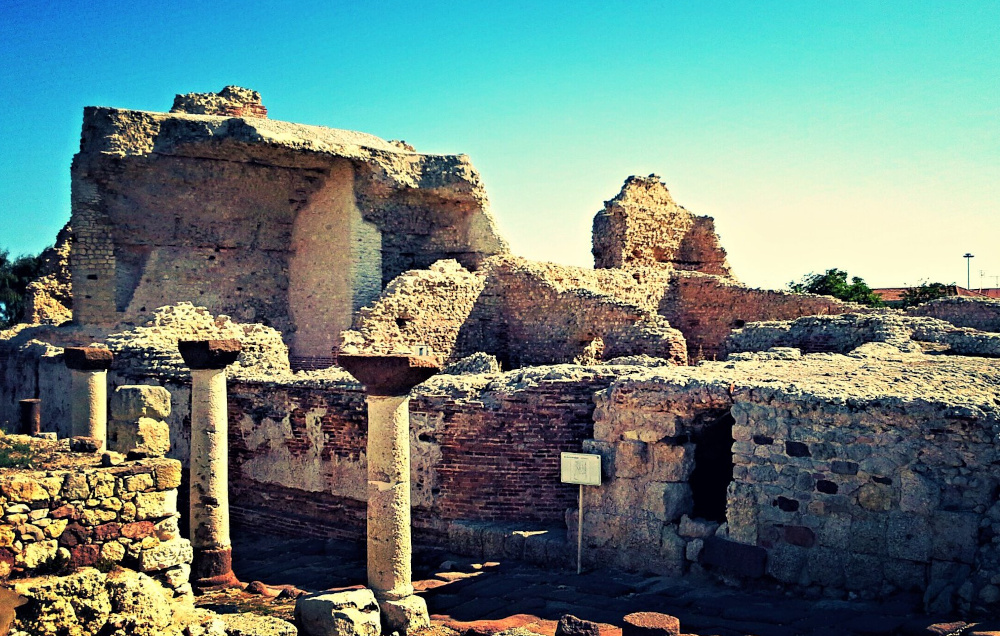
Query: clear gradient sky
[853, 134]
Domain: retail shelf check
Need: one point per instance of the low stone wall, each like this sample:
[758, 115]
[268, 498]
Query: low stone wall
[76, 517]
[642, 517]
[897, 495]
[706, 308]
[978, 313]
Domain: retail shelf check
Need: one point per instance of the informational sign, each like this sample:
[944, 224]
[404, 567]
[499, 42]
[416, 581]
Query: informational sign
[581, 468]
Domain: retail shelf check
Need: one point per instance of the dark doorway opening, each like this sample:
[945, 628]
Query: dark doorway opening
[713, 468]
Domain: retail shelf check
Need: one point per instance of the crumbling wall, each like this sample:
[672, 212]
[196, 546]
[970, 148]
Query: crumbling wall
[978, 313]
[49, 298]
[420, 307]
[642, 517]
[867, 475]
[846, 332]
[523, 312]
[231, 101]
[288, 225]
[643, 227]
[78, 517]
[707, 308]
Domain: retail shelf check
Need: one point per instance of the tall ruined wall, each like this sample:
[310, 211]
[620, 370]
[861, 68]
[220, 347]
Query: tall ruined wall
[979, 313]
[289, 225]
[643, 227]
[707, 308]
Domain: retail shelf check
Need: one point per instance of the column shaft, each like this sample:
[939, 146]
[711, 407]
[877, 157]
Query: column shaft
[90, 404]
[389, 549]
[209, 460]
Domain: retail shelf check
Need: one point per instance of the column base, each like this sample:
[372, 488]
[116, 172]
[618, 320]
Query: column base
[405, 615]
[213, 570]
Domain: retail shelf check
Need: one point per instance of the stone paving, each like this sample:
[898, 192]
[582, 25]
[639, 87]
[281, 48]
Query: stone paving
[481, 598]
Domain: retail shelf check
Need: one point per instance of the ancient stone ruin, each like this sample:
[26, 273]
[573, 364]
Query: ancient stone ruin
[236, 329]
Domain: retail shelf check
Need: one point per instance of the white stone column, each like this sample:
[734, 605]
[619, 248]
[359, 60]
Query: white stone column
[209, 462]
[388, 380]
[90, 404]
[389, 545]
[89, 392]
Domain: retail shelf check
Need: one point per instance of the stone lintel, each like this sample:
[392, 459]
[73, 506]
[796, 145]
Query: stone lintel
[209, 354]
[389, 374]
[88, 358]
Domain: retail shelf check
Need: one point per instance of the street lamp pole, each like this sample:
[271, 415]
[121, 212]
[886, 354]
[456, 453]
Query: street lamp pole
[968, 269]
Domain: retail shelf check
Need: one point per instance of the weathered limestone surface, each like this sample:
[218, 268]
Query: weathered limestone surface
[847, 332]
[296, 226]
[852, 473]
[137, 426]
[338, 613]
[523, 312]
[643, 227]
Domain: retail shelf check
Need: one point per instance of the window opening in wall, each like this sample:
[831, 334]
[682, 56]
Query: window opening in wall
[713, 468]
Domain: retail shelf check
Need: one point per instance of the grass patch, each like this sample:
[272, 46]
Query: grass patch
[15, 454]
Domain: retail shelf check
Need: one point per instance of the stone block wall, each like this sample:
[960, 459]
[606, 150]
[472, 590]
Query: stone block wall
[978, 313]
[870, 498]
[72, 518]
[649, 513]
[706, 308]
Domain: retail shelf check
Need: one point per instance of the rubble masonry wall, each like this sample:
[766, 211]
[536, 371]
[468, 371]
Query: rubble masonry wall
[80, 517]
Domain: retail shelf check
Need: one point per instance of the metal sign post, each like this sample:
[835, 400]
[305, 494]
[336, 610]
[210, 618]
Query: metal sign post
[583, 469]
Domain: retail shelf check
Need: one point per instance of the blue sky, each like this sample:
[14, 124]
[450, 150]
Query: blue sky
[858, 135]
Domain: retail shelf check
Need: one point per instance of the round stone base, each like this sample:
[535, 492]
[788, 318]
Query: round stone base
[213, 570]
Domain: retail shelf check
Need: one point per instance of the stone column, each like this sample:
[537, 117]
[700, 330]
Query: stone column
[209, 462]
[388, 379]
[89, 371]
[31, 416]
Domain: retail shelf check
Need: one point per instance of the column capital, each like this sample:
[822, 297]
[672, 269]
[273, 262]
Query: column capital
[389, 375]
[209, 354]
[88, 358]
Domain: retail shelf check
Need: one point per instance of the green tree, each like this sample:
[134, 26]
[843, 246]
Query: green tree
[923, 293]
[833, 282]
[15, 274]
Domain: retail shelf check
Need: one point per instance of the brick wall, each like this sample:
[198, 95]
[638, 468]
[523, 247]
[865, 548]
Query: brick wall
[478, 451]
[707, 308]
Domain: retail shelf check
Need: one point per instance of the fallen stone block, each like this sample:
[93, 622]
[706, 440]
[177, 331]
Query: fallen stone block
[650, 624]
[134, 401]
[352, 613]
[570, 625]
[405, 615]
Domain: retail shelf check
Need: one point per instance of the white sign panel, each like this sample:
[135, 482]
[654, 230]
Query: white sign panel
[581, 468]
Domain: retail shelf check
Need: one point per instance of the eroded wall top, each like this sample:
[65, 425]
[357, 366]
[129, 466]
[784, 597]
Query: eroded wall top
[643, 227]
[289, 225]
